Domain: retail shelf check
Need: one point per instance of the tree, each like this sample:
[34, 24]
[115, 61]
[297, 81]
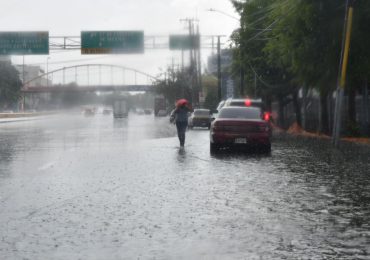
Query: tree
[210, 90]
[265, 79]
[359, 61]
[175, 85]
[294, 43]
[10, 84]
[306, 41]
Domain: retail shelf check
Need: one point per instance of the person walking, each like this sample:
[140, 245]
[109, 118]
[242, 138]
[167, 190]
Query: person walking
[180, 115]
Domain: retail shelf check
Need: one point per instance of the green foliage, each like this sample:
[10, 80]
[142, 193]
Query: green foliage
[210, 90]
[175, 85]
[306, 40]
[294, 43]
[263, 78]
[10, 84]
[359, 59]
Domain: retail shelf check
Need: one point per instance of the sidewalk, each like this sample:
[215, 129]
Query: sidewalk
[296, 130]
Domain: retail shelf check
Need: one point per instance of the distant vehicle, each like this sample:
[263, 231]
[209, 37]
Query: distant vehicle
[162, 113]
[89, 112]
[107, 111]
[140, 111]
[120, 108]
[215, 113]
[147, 111]
[220, 105]
[240, 126]
[159, 105]
[200, 118]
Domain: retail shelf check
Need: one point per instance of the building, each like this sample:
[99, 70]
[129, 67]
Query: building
[227, 83]
[226, 61]
[32, 73]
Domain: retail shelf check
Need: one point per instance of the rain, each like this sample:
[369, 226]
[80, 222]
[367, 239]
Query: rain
[95, 101]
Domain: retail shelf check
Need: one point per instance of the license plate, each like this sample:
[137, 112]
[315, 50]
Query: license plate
[240, 140]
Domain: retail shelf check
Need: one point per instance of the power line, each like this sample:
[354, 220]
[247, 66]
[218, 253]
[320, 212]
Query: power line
[267, 15]
[266, 29]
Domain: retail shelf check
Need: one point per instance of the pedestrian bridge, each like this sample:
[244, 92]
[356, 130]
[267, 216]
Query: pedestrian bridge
[90, 78]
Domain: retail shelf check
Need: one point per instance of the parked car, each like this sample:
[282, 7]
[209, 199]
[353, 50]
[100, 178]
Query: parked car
[200, 118]
[162, 112]
[107, 111]
[215, 113]
[240, 126]
[140, 111]
[241, 102]
[247, 102]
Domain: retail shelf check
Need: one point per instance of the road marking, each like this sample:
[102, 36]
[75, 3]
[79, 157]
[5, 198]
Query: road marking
[46, 166]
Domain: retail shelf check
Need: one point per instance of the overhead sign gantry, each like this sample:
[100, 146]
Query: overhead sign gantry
[24, 43]
[184, 42]
[112, 42]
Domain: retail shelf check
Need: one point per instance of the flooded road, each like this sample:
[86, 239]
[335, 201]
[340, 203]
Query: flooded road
[73, 187]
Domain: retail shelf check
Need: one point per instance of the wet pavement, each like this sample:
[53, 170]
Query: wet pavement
[73, 187]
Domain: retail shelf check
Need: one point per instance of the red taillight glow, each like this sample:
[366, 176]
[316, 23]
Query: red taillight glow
[266, 116]
[248, 102]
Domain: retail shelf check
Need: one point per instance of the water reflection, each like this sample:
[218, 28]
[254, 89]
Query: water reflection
[7, 149]
[240, 153]
[119, 123]
[305, 200]
[333, 190]
[181, 155]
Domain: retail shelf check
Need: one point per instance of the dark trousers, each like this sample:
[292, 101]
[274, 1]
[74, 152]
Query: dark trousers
[181, 129]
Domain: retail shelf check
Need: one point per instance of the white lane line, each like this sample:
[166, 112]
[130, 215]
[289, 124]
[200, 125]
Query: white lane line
[46, 166]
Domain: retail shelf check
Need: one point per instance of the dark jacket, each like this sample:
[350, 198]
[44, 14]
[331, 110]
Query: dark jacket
[181, 114]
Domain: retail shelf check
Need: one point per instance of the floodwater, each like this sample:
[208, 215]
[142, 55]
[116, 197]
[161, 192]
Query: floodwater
[75, 187]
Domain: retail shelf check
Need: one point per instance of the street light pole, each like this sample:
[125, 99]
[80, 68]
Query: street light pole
[47, 71]
[219, 85]
[221, 12]
[218, 57]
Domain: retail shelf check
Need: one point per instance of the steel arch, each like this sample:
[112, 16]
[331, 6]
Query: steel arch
[91, 65]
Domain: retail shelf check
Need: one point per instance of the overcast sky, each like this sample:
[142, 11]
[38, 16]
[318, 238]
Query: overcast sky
[155, 17]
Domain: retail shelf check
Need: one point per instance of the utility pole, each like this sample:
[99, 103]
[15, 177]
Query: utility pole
[219, 85]
[47, 71]
[194, 74]
[342, 72]
[199, 65]
[241, 48]
[23, 81]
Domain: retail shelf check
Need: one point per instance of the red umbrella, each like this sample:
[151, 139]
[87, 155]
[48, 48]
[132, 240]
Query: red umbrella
[181, 102]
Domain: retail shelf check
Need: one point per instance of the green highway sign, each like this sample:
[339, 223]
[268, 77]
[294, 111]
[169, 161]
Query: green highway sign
[115, 42]
[24, 43]
[184, 42]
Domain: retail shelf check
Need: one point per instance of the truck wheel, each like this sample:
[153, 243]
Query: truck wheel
[214, 148]
[266, 148]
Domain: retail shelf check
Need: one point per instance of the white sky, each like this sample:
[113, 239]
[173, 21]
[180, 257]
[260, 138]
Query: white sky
[155, 17]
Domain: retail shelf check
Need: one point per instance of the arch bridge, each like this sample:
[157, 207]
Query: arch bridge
[90, 78]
